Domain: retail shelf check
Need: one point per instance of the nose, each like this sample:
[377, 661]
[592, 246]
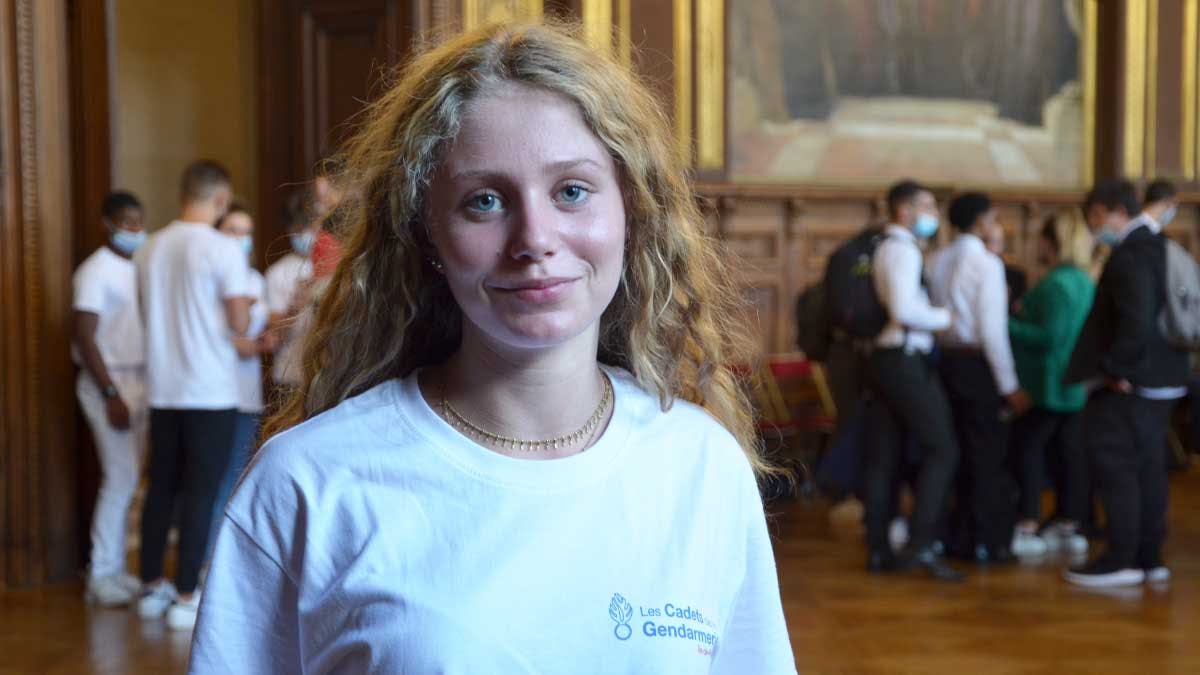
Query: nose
[534, 231]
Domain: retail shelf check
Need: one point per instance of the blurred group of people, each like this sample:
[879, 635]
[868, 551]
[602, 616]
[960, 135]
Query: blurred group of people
[171, 330]
[978, 395]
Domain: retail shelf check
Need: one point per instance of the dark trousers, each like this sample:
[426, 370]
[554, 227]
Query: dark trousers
[189, 452]
[906, 398]
[1125, 439]
[1044, 436]
[983, 508]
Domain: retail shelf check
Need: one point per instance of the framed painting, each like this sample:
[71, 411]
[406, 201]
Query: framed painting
[965, 92]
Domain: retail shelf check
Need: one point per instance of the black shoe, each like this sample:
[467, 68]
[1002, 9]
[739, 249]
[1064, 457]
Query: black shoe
[993, 555]
[932, 564]
[1156, 570]
[1103, 573]
[882, 562]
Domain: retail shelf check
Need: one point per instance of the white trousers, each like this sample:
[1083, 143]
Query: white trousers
[121, 455]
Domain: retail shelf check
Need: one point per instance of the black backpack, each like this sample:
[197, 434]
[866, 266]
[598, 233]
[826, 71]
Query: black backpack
[813, 334]
[854, 307]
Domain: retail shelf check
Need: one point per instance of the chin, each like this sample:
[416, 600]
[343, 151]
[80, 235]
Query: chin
[541, 332]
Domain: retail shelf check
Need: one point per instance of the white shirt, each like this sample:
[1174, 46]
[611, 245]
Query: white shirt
[969, 279]
[106, 285]
[376, 538]
[282, 280]
[249, 369]
[897, 272]
[187, 271]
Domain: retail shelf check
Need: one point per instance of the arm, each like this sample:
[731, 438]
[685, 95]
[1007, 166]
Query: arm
[84, 335]
[1134, 321]
[900, 290]
[249, 618]
[755, 639]
[991, 313]
[237, 312]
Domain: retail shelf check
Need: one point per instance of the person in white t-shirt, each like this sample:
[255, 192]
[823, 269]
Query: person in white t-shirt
[288, 282]
[239, 225]
[109, 348]
[196, 300]
[521, 447]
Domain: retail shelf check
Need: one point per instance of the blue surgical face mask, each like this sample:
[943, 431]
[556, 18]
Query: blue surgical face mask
[1108, 237]
[127, 242]
[302, 243]
[247, 244]
[926, 226]
[1168, 215]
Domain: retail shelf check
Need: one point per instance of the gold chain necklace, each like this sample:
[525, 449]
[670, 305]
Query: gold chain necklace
[457, 420]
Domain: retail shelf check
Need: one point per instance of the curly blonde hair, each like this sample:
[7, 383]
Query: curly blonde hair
[675, 322]
[1071, 237]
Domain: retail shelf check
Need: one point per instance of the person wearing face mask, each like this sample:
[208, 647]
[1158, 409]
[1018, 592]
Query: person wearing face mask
[1135, 378]
[1160, 205]
[980, 378]
[288, 281]
[108, 345]
[907, 397]
[239, 226]
[195, 292]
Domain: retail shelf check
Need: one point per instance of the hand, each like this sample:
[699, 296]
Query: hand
[246, 347]
[118, 413]
[268, 342]
[1019, 402]
[1119, 386]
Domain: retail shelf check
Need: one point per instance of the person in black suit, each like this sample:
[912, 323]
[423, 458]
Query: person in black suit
[1136, 377]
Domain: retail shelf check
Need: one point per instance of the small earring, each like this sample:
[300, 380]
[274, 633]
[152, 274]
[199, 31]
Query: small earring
[437, 265]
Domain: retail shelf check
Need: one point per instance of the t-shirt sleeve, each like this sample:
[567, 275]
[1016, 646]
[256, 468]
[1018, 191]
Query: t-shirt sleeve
[248, 612]
[756, 638]
[232, 269]
[89, 289]
[280, 286]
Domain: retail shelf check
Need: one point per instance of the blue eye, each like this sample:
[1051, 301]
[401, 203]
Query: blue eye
[573, 194]
[486, 202]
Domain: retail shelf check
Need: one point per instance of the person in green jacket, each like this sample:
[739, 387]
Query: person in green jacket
[1043, 337]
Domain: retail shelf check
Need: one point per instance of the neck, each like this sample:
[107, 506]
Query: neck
[198, 212]
[525, 394]
[114, 249]
[1156, 212]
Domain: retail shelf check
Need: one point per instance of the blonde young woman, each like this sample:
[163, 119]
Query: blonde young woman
[1043, 338]
[518, 448]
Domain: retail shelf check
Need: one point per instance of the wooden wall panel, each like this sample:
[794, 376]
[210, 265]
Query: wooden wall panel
[38, 522]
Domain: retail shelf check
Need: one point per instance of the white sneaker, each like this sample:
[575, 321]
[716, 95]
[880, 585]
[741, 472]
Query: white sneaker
[156, 600]
[898, 533]
[1028, 544]
[108, 592]
[131, 582]
[1063, 537]
[182, 614]
[1158, 575]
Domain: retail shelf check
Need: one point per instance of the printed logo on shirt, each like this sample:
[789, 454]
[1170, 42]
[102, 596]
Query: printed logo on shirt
[668, 621]
[621, 611]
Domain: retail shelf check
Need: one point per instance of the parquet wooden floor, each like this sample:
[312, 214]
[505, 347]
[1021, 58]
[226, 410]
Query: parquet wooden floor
[1019, 620]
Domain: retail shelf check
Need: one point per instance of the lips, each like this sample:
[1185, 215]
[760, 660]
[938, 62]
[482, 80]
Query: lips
[541, 290]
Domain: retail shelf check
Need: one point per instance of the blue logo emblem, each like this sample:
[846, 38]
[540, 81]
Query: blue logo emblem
[621, 611]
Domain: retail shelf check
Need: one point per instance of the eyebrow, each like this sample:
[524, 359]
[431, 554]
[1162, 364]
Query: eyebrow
[553, 167]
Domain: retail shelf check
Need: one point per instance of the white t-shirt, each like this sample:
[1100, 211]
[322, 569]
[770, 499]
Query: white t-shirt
[375, 538]
[282, 280]
[106, 285]
[250, 396]
[187, 271]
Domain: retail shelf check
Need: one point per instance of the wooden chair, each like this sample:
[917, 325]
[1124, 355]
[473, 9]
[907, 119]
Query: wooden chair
[796, 414]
